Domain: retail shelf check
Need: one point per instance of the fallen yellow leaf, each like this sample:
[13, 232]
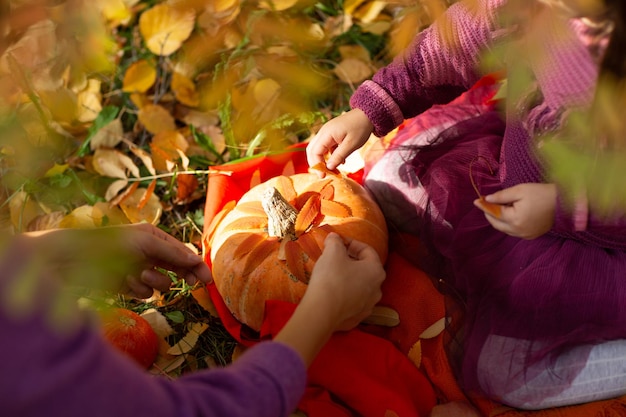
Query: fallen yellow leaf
[277, 5]
[139, 77]
[80, 218]
[166, 147]
[149, 213]
[185, 90]
[164, 28]
[266, 91]
[156, 119]
[353, 71]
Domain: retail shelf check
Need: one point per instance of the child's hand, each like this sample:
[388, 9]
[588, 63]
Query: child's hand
[527, 209]
[346, 281]
[340, 136]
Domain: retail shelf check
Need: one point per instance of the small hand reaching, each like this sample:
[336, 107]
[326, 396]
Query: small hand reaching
[346, 281]
[340, 137]
[527, 210]
[344, 287]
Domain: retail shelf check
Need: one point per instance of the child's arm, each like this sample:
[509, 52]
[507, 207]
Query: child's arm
[344, 287]
[440, 64]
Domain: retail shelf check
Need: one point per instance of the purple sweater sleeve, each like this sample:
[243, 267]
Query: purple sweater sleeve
[65, 373]
[440, 63]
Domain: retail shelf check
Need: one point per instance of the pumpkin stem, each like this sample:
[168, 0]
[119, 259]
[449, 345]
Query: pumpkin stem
[281, 216]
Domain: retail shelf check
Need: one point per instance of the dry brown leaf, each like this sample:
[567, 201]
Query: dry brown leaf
[434, 329]
[113, 163]
[149, 213]
[190, 339]
[115, 188]
[109, 136]
[165, 364]
[164, 28]
[123, 195]
[139, 77]
[353, 71]
[198, 118]
[158, 322]
[186, 188]
[156, 119]
[144, 156]
[33, 51]
[337, 25]
[355, 51]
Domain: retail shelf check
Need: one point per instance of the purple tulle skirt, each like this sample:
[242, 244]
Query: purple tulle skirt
[549, 293]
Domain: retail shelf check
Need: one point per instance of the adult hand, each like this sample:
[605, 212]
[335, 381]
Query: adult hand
[118, 258]
[527, 209]
[346, 281]
[154, 248]
[340, 137]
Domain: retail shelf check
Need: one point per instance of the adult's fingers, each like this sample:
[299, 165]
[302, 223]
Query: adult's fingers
[155, 279]
[166, 250]
[138, 288]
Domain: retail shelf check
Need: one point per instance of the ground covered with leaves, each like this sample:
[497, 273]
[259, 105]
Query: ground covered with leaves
[114, 111]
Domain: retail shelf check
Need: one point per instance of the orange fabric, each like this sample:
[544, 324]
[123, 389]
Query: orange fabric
[373, 370]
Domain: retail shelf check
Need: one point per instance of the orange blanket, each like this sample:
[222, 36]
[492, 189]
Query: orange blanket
[375, 371]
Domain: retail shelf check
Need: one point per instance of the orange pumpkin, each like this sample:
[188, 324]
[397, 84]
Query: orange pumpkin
[130, 333]
[265, 246]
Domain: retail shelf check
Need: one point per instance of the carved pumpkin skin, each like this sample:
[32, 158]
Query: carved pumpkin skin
[249, 266]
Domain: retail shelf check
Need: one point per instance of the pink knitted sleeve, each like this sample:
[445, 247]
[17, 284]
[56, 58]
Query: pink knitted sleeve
[440, 64]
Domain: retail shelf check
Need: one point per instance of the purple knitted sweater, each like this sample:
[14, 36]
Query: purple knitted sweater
[434, 71]
[71, 371]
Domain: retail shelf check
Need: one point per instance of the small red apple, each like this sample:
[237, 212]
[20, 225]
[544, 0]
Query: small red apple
[131, 334]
